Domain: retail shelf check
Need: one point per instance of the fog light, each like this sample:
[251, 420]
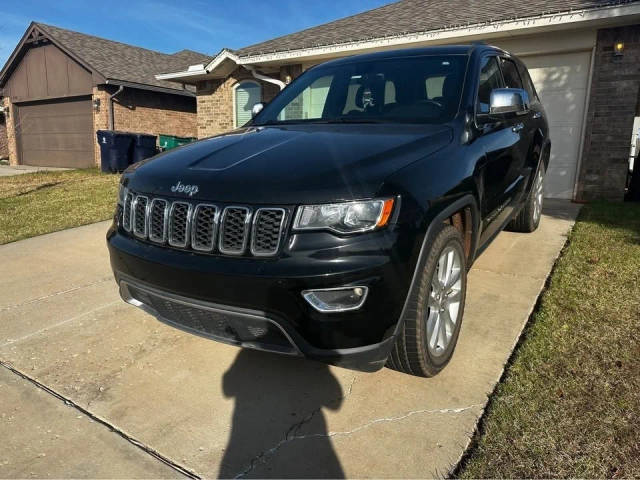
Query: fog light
[341, 299]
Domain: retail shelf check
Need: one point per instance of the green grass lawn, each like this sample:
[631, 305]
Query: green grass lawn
[43, 202]
[569, 403]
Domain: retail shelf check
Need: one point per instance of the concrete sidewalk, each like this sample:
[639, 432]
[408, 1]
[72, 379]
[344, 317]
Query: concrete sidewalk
[214, 410]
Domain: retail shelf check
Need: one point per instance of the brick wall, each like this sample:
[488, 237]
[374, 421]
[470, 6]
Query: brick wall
[4, 141]
[144, 111]
[215, 99]
[615, 90]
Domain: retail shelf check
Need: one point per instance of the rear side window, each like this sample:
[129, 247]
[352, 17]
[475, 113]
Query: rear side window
[510, 74]
[527, 82]
[310, 102]
[490, 79]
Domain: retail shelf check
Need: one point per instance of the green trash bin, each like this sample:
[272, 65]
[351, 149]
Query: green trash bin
[167, 142]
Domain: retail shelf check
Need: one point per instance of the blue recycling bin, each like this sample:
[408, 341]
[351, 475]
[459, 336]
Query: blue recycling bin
[144, 146]
[114, 150]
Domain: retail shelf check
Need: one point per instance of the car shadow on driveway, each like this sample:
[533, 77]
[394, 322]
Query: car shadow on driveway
[271, 392]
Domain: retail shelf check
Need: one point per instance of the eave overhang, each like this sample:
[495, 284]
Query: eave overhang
[226, 61]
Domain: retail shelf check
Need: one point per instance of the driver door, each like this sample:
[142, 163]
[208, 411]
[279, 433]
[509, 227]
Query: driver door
[501, 140]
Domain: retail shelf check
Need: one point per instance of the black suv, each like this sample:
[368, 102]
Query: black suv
[340, 222]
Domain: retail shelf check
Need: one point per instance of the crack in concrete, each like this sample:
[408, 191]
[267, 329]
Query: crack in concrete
[61, 292]
[132, 440]
[291, 434]
[11, 341]
[393, 419]
[268, 454]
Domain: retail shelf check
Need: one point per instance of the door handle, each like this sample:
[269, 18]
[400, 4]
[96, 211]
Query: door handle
[537, 115]
[516, 128]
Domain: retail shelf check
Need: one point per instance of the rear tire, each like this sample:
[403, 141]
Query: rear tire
[528, 219]
[431, 324]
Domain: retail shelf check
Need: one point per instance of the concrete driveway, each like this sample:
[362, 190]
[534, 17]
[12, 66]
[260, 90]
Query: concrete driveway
[11, 170]
[92, 387]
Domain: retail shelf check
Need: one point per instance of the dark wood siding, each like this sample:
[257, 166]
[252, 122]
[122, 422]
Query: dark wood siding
[55, 133]
[47, 72]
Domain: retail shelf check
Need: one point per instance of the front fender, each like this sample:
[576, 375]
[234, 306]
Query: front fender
[439, 215]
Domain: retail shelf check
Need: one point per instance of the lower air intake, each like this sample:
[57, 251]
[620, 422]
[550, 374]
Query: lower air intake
[225, 326]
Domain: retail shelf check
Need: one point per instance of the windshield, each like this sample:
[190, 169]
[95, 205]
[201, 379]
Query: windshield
[421, 89]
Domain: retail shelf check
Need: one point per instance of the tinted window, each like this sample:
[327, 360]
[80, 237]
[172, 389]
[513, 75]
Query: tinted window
[510, 74]
[489, 79]
[309, 103]
[420, 89]
[528, 83]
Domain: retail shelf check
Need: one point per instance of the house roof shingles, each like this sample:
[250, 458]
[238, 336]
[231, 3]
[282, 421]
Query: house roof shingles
[119, 61]
[417, 16]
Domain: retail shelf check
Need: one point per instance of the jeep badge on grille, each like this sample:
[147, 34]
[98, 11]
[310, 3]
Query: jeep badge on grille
[182, 188]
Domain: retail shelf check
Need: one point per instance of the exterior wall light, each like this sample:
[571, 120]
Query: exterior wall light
[618, 48]
[96, 104]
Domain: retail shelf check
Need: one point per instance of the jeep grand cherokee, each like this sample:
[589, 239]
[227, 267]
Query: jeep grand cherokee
[340, 222]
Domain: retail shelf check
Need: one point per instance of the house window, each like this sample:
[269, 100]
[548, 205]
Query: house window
[245, 95]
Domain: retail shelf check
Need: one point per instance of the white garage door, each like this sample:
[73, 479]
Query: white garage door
[561, 81]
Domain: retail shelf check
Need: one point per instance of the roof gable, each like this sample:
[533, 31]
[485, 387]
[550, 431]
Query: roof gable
[107, 59]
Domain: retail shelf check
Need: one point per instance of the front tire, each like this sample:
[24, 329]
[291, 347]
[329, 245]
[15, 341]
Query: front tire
[433, 318]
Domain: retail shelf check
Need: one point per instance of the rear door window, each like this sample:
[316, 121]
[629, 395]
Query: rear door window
[435, 86]
[528, 83]
[310, 103]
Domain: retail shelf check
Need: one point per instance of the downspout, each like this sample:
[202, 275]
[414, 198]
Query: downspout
[111, 97]
[264, 78]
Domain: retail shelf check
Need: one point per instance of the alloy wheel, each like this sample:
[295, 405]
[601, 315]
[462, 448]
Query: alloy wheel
[444, 301]
[538, 195]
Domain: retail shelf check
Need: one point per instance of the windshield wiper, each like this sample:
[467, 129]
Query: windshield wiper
[353, 120]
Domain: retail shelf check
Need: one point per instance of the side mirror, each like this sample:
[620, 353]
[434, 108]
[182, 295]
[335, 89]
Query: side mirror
[257, 108]
[508, 101]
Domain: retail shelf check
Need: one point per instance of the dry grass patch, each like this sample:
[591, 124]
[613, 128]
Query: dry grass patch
[569, 405]
[43, 202]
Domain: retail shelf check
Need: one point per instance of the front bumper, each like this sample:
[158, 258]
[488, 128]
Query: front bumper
[257, 302]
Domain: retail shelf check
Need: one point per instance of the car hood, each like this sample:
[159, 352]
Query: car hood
[288, 164]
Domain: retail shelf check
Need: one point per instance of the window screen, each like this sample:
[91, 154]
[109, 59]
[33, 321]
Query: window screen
[247, 94]
[489, 79]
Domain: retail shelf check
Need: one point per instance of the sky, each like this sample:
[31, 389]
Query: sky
[170, 26]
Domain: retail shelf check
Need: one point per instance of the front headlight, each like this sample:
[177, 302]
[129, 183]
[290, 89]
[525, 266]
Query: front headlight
[122, 194]
[347, 217]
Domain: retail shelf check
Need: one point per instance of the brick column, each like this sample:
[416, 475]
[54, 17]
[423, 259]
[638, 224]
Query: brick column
[11, 131]
[4, 142]
[615, 90]
[100, 118]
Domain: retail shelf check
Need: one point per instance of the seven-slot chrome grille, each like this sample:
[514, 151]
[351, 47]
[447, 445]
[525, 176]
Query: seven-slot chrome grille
[204, 227]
